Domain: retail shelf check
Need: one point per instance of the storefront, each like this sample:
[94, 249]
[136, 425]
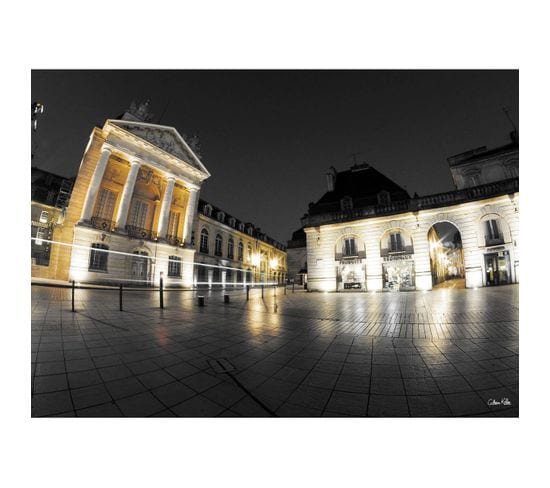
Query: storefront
[351, 275]
[497, 268]
[398, 273]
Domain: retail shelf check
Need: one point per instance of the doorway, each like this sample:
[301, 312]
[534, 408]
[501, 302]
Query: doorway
[497, 268]
[446, 256]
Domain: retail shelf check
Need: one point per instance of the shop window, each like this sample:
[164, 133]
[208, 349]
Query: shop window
[349, 248]
[174, 266]
[204, 241]
[218, 246]
[98, 257]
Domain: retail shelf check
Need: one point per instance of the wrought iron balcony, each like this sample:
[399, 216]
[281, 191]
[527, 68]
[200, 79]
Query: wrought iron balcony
[173, 240]
[141, 233]
[103, 224]
[396, 251]
[494, 240]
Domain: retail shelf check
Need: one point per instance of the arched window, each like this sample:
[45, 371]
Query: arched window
[204, 241]
[98, 257]
[208, 210]
[249, 252]
[240, 251]
[493, 232]
[218, 248]
[230, 248]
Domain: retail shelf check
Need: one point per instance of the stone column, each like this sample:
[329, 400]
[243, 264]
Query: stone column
[165, 208]
[95, 182]
[127, 193]
[190, 214]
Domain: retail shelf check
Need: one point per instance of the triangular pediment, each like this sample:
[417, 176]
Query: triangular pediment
[163, 137]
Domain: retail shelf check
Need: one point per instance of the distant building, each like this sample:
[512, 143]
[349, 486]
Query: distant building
[367, 233]
[297, 257]
[231, 253]
[49, 197]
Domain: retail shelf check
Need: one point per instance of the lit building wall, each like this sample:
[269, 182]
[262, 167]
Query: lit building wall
[468, 218]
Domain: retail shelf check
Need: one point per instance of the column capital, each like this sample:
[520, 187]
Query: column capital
[107, 148]
[134, 162]
[171, 178]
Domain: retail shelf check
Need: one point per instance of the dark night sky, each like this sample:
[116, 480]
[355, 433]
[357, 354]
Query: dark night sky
[269, 137]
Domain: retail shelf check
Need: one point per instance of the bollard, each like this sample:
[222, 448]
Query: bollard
[262, 290]
[274, 291]
[285, 288]
[200, 301]
[120, 297]
[161, 289]
[293, 287]
[226, 299]
[72, 297]
[247, 291]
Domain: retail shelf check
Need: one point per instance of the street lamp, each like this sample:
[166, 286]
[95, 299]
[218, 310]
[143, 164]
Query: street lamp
[255, 262]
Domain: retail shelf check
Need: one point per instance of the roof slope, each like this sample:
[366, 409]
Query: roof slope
[362, 183]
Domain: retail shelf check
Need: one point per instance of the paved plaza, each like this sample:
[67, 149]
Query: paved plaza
[443, 353]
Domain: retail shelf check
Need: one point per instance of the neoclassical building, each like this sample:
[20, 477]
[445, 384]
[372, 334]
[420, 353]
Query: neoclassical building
[132, 216]
[367, 233]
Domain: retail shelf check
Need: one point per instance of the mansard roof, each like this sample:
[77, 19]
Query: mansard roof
[256, 231]
[362, 183]
[164, 137]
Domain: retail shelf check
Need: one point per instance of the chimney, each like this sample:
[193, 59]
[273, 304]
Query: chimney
[331, 178]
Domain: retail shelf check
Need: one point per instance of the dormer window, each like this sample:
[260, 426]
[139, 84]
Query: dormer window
[512, 170]
[221, 216]
[346, 204]
[207, 210]
[383, 197]
[232, 221]
[241, 227]
[250, 231]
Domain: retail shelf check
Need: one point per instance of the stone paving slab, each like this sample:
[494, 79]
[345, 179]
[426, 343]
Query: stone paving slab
[442, 353]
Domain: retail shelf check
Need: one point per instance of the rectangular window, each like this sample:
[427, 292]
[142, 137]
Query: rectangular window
[138, 214]
[174, 266]
[349, 247]
[492, 229]
[395, 243]
[44, 217]
[173, 223]
[98, 257]
[105, 205]
[39, 236]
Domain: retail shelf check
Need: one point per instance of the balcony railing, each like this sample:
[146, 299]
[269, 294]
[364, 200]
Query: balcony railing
[140, 233]
[494, 240]
[173, 240]
[430, 201]
[103, 224]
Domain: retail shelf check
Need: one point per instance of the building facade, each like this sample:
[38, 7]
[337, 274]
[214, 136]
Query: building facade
[366, 233]
[231, 253]
[132, 216]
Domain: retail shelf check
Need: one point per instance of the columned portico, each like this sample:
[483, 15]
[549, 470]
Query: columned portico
[190, 214]
[165, 207]
[127, 192]
[95, 182]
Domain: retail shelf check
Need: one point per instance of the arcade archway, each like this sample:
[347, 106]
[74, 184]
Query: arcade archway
[446, 256]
